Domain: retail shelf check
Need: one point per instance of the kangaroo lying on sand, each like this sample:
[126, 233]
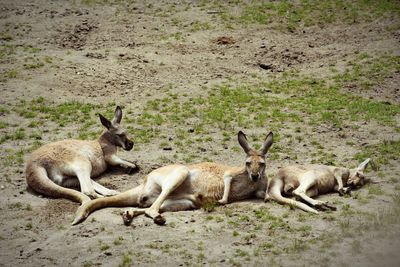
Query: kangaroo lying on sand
[70, 163]
[180, 187]
[307, 181]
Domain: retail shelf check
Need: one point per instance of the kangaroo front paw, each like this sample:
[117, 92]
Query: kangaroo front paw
[324, 206]
[223, 201]
[131, 169]
[345, 191]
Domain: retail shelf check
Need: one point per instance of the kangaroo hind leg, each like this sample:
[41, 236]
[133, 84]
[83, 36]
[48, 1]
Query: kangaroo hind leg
[82, 170]
[170, 182]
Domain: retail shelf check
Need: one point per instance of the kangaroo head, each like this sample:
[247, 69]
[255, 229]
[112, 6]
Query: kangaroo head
[116, 134]
[255, 159]
[357, 177]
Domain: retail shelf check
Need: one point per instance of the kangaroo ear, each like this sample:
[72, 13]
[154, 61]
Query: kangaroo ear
[243, 142]
[117, 115]
[363, 165]
[106, 123]
[267, 143]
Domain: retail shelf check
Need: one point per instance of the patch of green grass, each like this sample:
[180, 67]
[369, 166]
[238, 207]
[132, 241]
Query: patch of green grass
[381, 153]
[297, 246]
[375, 190]
[16, 205]
[347, 210]
[19, 134]
[229, 107]
[177, 36]
[368, 71]
[118, 241]
[126, 261]
[32, 63]
[14, 158]
[209, 206]
[199, 26]
[60, 113]
[8, 74]
[104, 247]
[7, 50]
[3, 125]
[263, 215]
[290, 15]
[31, 49]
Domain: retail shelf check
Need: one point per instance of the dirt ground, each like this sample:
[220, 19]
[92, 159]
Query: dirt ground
[59, 58]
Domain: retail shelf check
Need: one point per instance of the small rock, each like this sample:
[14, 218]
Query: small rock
[107, 253]
[265, 66]
[225, 40]
[95, 55]
[167, 148]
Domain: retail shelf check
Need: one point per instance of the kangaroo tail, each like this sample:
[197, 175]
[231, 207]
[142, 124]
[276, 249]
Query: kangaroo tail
[38, 180]
[275, 193]
[128, 198]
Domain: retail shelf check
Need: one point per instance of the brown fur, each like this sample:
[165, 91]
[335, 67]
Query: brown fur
[74, 162]
[179, 187]
[306, 181]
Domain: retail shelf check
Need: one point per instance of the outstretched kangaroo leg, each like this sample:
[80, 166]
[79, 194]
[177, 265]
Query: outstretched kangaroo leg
[308, 180]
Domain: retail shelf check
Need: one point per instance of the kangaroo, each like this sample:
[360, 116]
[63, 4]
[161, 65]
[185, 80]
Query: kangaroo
[182, 187]
[307, 181]
[69, 163]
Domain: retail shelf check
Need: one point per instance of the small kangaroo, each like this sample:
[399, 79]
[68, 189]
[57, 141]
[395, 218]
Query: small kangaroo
[69, 163]
[307, 181]
[180, 187]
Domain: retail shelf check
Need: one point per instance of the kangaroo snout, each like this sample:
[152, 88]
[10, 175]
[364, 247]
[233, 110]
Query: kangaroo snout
[255, 177]
[128, 145]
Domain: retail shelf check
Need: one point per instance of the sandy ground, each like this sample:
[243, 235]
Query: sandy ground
[127, 54]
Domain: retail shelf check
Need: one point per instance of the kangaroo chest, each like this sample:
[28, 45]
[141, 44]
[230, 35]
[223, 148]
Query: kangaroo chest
[95, 155]
[243, 187]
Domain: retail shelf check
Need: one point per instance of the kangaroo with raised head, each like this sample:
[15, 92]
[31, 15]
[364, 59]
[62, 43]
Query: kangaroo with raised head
[183, 187]
[69, 163]
[307, 181]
